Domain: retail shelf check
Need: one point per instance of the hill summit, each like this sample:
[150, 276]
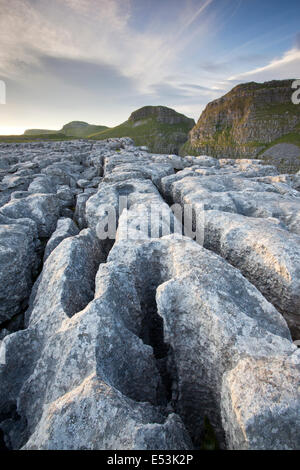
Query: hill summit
[79, 129]
[160, 128]
[161, 114]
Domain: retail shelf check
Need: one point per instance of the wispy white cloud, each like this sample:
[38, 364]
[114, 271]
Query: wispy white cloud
[94, 56]
[75, 29]
[42, 42]
[194, 16]
[93, 30]
[287, 66]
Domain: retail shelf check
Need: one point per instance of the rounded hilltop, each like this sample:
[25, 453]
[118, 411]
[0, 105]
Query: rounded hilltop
[161, 129]
[162, 114]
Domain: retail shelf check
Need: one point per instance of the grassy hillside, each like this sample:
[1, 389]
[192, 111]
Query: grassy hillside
[78, 129]
[161, 129]
[32, 138]
[81, 129]
[36, 132]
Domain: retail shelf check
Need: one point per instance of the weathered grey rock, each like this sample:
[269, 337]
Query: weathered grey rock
[266, 254]
[15, 182]
[235, 194]
[6, 162]
[95, 182]
[4, 198]
[18, 261]
[83, 183]
[166, 332]
[133, 165]
[61, 174]
[134, 192]
[79, 215]
[276, 422]
[90, 173]
[18, 195]
[266, 204]
[248, 168]
[213, 318]
[255, 328]
[64, 287]
[65, 228]
[3, 333]
[42, 185]
[66, 196]
[98, 345]
[64, 426]
[43, 209]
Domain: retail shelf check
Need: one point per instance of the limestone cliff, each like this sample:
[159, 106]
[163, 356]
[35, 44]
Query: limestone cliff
[247, 121]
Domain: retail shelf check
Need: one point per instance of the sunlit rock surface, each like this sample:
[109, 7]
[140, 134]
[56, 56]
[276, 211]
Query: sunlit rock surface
[187, 312]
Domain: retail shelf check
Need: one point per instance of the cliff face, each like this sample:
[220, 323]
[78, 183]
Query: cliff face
[161, 129]
[246, 121]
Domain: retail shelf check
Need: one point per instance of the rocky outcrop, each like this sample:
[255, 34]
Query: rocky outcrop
[248, 120]
[137, 324]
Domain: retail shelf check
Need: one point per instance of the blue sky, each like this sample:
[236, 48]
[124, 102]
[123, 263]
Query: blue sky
[98, 60]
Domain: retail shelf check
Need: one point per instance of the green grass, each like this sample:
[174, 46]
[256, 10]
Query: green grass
[150, 132]
[74, 129]
[159, 137]
[278, 109]
[187, 149]
[36, 132]
[33, 138]
[82, 132]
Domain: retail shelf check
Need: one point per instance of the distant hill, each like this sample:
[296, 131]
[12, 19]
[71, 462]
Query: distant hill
[77, 129]
[81, 129]
[161, 129]
[40, 131]
[248, 122]
[32, 138]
